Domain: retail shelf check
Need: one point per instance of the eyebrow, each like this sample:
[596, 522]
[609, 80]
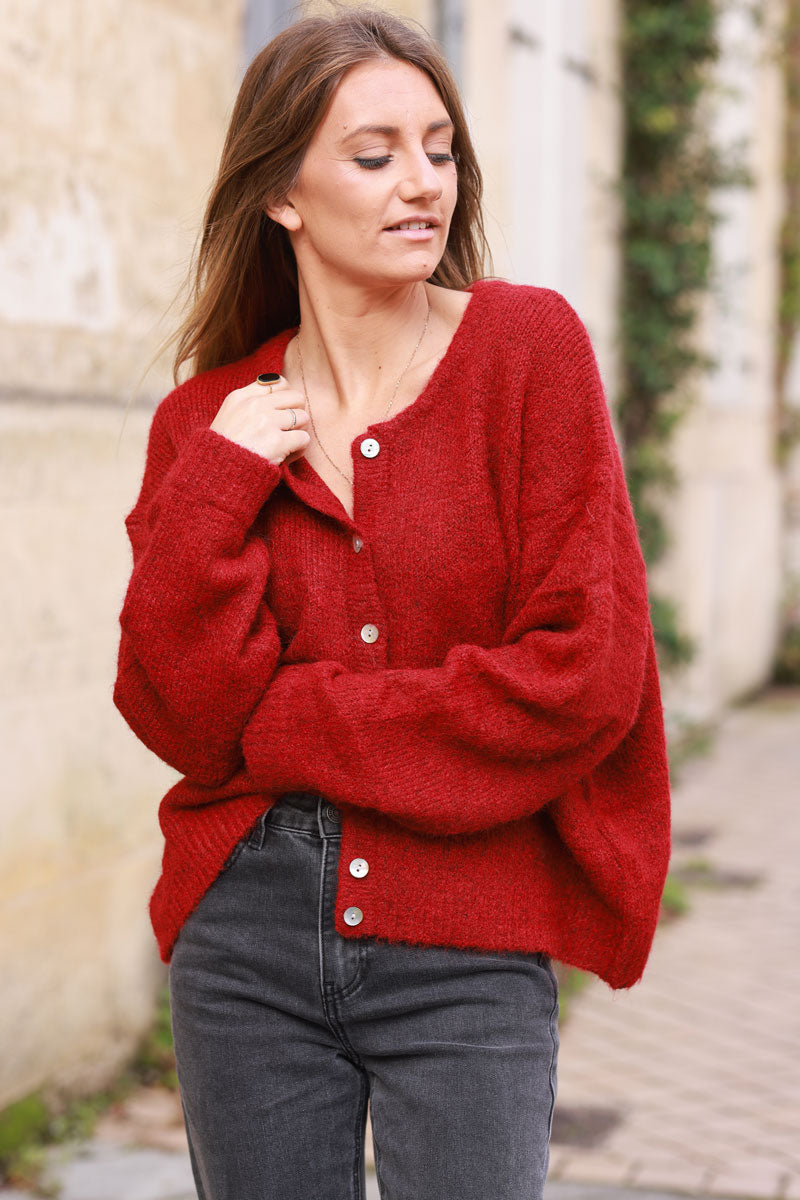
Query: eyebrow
[392, 130]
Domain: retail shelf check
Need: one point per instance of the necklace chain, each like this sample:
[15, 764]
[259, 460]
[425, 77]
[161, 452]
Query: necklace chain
[391, 402]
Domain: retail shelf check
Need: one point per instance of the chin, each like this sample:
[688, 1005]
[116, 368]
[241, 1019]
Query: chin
[411, 272]
[387, 279]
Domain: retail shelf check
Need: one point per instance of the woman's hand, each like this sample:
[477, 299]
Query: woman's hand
[258, 418]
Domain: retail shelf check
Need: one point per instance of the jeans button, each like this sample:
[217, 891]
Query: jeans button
[331, 813]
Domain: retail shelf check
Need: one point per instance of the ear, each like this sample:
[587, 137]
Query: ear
[285, 214]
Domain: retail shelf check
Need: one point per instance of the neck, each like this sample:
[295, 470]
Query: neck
[357, 342]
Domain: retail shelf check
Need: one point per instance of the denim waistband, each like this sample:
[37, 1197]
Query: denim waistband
[307, 811]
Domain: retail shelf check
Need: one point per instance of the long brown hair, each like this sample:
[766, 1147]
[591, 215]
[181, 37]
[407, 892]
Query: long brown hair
[244, 279]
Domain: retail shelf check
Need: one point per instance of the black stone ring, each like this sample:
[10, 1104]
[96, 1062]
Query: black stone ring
[267, 379]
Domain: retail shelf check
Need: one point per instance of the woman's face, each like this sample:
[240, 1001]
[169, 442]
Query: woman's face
[380, 157]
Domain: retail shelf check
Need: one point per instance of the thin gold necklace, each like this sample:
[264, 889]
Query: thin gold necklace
[391, 402]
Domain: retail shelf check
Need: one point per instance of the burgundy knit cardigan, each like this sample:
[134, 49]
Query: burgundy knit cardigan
[466, 669]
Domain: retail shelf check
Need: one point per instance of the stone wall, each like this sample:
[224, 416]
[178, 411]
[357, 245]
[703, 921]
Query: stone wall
[121, 109]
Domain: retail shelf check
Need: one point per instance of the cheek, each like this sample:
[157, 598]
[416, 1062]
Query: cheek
[354, 213]
[346, 206]
[348, 201]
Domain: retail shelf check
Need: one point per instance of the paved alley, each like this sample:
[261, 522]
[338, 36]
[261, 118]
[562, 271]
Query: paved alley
[691, 1079]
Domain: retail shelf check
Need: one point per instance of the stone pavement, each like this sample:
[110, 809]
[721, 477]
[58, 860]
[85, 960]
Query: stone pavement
[690, 1080]
[102, 1172]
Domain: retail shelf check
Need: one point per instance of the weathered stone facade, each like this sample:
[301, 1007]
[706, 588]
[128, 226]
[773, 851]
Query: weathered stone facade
[103, 175]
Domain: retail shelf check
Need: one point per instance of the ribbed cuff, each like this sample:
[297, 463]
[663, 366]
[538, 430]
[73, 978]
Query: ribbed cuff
[213, 469]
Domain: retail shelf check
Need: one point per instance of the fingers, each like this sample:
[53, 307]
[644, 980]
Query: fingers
[272, 427]
[273, 384]
[271, 381]
[300, 417]
[297, 440]
[292, 403]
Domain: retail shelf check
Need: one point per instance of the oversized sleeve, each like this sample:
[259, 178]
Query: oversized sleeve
[494, 733]
[198, 644]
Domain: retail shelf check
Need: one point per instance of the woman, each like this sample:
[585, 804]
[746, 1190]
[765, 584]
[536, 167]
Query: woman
[388, 618]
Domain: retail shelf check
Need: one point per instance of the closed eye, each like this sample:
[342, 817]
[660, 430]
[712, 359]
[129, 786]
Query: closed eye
[371, 164]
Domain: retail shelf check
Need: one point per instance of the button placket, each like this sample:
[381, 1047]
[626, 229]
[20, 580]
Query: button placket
[364, 601]
[359, 867]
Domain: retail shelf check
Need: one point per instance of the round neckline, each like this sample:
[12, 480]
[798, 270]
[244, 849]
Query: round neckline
[301, 468]
[435, 379]
[433, 385]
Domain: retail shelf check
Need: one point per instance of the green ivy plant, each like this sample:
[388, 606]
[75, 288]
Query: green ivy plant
[787, 659]
[789, 293]
[670, 170]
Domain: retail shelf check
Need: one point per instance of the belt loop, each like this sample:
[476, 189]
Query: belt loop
[320, 826]
[256, 838]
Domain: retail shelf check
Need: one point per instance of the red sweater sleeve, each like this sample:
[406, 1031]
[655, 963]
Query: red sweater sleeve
[198, 645]
[494, 733]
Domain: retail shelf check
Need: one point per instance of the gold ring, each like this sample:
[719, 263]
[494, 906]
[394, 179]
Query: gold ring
[267, 379]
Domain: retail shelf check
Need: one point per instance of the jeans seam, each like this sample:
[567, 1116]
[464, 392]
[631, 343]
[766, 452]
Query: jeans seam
[194, 1160]
[349, 989]
[329, 995]
[234, 854]
[358, 1180]
[553, 1027]
[328, 1001]
[376, 1153]
[320, 918]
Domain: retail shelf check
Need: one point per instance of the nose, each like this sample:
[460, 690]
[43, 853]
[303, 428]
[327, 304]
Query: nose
[421, 178]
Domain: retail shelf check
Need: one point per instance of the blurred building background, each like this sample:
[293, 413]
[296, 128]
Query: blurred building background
[120, 113]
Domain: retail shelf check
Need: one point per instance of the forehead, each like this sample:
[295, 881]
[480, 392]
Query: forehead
[384, 92]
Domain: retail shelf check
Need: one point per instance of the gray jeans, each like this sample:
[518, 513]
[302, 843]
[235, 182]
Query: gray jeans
[284, 1030]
